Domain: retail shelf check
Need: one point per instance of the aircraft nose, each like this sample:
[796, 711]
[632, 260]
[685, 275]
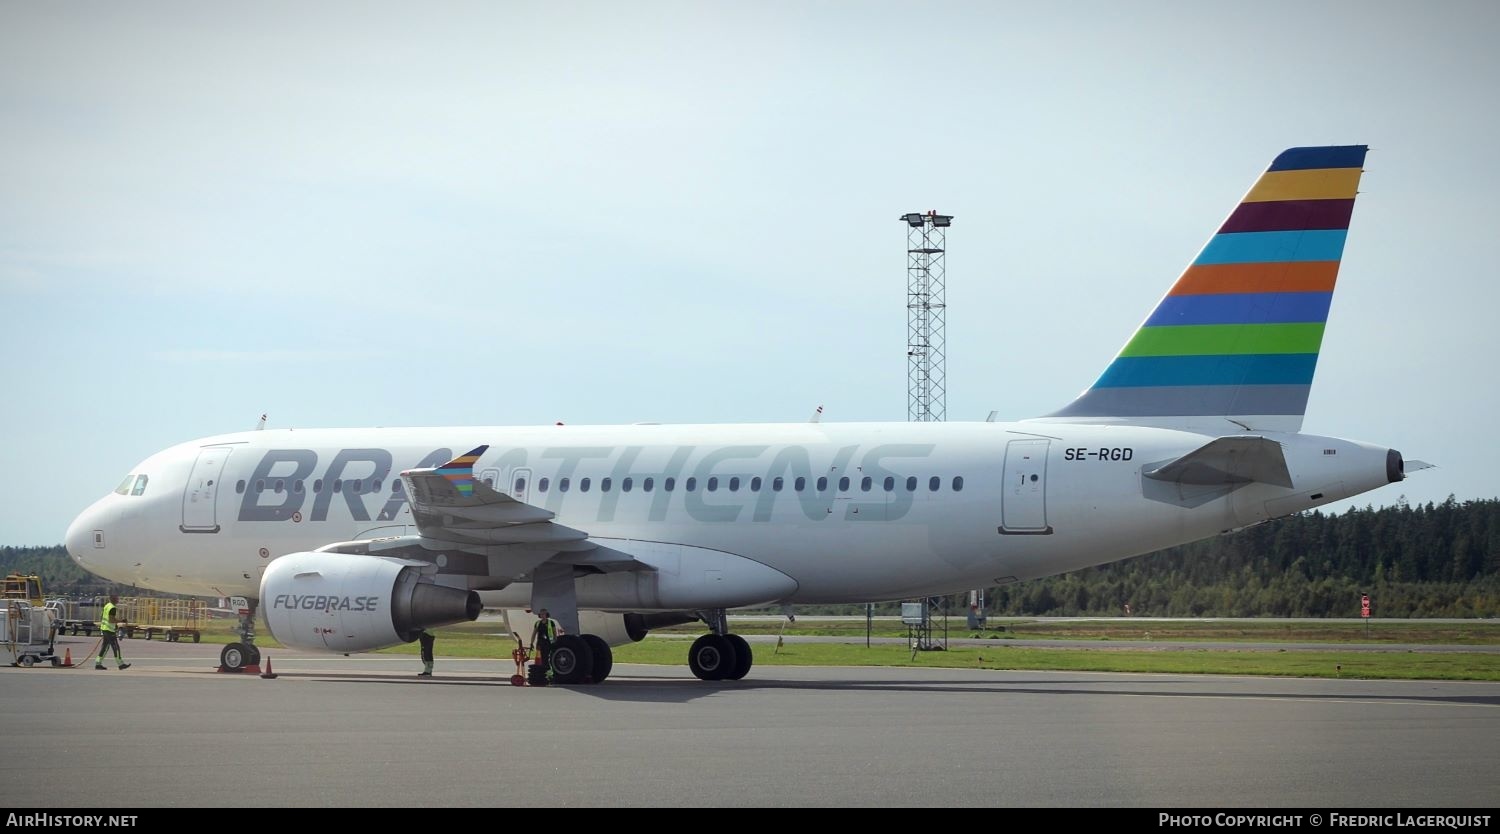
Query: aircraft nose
[80, 538]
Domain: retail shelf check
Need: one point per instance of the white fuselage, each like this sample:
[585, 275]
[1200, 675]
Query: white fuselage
[907, 509]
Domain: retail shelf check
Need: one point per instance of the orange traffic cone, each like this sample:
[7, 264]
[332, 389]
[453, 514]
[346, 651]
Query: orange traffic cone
[268, 674]
[68, 656]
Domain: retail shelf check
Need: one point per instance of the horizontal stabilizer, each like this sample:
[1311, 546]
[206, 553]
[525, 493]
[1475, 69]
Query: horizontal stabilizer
[1228, 461]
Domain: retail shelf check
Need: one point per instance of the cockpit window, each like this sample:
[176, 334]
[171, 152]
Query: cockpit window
[140, 485]
[125, 485]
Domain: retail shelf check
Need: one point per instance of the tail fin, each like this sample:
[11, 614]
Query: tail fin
[1236, 338]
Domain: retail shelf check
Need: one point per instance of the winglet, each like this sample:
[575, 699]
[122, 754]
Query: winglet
[460, 471]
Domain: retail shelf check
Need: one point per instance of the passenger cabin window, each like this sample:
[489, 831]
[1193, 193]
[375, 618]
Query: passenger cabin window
[692, 484]
[338, 484]
[542, 484]
[397, 488]
[958, 483]
[734, 484]
[713, 484]
[648, 484]
[239, 486]
[260, 486]
[604, 484]
[776, 484]
[356, 485]
[669, 484]
[279, 484]
[755, 484]
[933, 483]
[890, 484]
[799, 484]
[626, 484]
[520, 485]
[562, 484]
[911, 483]
[823, 484]
[297, 487]
[318, 485]
[844, 484]
[583, 485]
[865, 483]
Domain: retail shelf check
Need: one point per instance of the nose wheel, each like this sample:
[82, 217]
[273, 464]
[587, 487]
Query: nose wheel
[236, 657]
[242, 655]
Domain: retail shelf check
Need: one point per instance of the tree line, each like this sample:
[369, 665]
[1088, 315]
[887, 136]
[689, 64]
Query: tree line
[1433, 560]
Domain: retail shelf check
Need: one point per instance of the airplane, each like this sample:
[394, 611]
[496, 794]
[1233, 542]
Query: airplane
[352, 540]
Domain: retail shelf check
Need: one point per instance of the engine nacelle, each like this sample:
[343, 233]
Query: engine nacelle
[614, 629]
[348, 603]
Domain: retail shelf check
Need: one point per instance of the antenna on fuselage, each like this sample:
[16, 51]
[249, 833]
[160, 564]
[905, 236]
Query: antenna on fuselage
[817, 416]
[260, 426]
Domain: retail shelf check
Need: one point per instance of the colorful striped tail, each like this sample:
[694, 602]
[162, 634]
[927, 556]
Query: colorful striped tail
[1237, 336]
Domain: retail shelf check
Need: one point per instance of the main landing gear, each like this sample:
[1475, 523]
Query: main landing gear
[720, 655]
[237, 657]
[581, 658]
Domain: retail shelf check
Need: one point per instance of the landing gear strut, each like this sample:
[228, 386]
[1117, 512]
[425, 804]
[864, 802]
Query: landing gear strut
[720, 656]
[237, 657]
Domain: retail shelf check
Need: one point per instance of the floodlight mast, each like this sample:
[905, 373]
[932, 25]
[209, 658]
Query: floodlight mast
[926, 308]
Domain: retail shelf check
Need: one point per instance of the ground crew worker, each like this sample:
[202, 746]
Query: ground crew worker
[543, 635]
[108, 622]
[426, 638]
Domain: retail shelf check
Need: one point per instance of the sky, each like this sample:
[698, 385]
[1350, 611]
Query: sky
[381, 214]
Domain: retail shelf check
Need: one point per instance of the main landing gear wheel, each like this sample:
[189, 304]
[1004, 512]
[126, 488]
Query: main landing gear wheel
[712, 657]
[742, 656]
[572, 660]
[604, 659]
[235, 657]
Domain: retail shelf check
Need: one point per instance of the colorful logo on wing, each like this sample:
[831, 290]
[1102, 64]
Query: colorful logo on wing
[460, 471]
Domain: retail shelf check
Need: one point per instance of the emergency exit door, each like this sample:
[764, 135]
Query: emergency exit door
[1024, 498]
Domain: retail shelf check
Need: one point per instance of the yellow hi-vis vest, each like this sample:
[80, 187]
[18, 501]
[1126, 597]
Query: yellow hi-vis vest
[107, 623]
[547, 630]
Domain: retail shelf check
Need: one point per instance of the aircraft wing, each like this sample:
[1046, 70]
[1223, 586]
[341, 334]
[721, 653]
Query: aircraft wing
[1228, 461]
[450, 505]
[453, 510]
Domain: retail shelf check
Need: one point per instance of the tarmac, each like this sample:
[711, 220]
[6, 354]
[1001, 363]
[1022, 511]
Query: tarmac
[364, 731]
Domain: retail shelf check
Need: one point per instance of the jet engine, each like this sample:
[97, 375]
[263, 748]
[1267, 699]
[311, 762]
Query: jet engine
[350, 603]
[613, 628]
[619, 629]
